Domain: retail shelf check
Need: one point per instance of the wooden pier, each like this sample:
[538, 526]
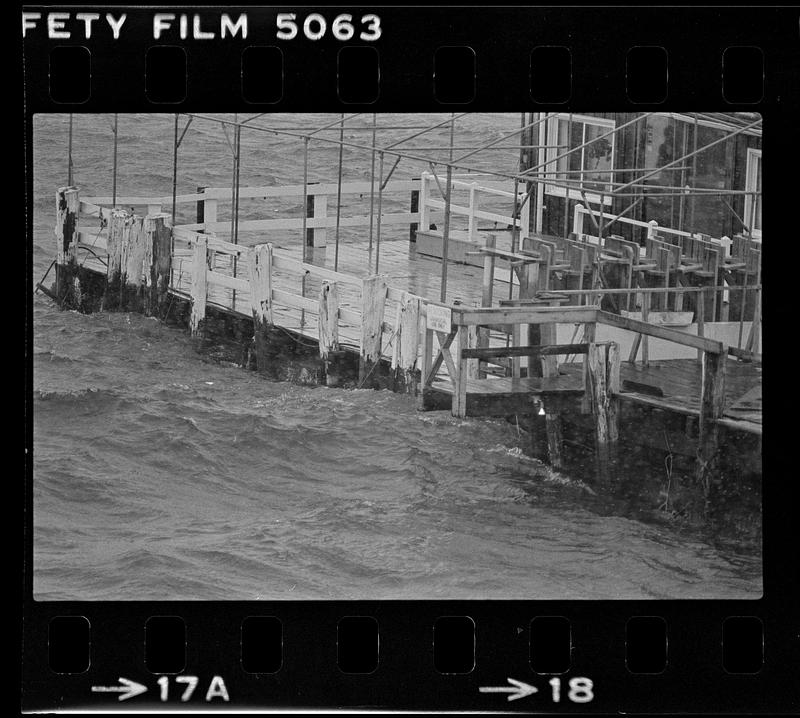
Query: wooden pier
[476, 353]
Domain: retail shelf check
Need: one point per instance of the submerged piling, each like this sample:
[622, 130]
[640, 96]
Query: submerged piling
[68, 288]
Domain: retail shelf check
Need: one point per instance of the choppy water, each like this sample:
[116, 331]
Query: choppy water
[161, 475]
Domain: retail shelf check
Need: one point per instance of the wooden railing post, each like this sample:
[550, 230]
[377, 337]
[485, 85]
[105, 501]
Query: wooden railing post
[712, 405]
[199, 285]
[373, 300]
[700, 310]
[577, 220]
[158, 241]
[206, 210]
[318, 209]
[473, 207]
[424, 209]
[259, 267]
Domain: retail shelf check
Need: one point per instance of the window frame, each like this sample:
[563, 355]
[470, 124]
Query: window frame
[750, 185]
[552, 152]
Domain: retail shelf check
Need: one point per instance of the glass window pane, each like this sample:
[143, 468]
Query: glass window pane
[598, 156]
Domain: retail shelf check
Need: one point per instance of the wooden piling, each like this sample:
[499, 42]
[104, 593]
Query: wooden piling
[589, 333]
[408, 342]
[426, 363]
[329, 331]
[67, 287]
[117, 247]
[460, 380]
[136, 268]
[66, 229]
[199, 285]
[603, 388]
[259, 267]
[373, 299]
[412, 228]
[712, 405]
[158, 243]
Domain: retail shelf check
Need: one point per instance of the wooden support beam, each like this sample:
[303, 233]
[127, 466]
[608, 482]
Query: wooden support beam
[199, 289]
[589, 334]
[526, 351]
[460, 379]
[660, 332]
[426, 376]
[259, 267]
[473, 365]
[408, 342]
[373, 299]
[159, 241]
[527, 314]
[712, 405]
[487, 292]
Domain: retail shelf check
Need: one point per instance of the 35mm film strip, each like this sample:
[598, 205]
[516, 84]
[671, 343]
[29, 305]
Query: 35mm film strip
[408, 359]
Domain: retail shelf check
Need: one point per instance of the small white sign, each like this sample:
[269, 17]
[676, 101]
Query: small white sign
[440, 319]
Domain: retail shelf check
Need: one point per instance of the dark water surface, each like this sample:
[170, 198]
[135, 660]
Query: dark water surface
[161, 475]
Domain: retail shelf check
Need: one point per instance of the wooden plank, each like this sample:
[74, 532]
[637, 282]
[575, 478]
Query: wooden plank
[223, 280]
[294, 301]
[525, 351]
[285, 262]
[294, 223]
[653, 330]
[527, 315]
[297, 190]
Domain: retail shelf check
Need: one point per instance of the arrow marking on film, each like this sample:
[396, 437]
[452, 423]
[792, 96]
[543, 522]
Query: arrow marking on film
[128, 689]
[518, 689]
